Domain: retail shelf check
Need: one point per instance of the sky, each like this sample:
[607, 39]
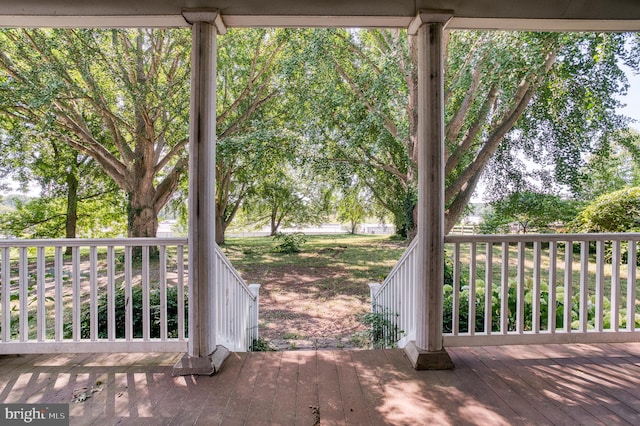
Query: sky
[632, 99]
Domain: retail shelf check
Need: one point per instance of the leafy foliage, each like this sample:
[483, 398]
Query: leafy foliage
[118, 97]
[353, 207]
[290, 243]
[382, 331]
[618, 211]
[508, 95]
[261, 345]
[530, 210]
[121, 302]
[613, 167]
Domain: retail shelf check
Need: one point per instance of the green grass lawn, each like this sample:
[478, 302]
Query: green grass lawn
[312, 299]
[367, 258]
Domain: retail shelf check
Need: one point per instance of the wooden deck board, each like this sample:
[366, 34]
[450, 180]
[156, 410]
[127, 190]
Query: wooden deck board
[264, 390]
[538, 384]
[556, 405]
[599, 395]
[284, 400]
[354, 404]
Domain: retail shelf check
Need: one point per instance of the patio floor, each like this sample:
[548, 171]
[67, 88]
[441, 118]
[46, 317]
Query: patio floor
[542, 384]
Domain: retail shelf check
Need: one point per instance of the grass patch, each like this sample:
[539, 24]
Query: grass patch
[364, 257]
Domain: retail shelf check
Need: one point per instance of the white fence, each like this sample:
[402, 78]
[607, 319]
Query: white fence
[517, 289]
[394, 300]
[237, 307]
[118, 295]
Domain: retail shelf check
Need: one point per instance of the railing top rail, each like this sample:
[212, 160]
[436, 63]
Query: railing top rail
[234, 272]
[515, 238]
[86, 242]
[398, 265]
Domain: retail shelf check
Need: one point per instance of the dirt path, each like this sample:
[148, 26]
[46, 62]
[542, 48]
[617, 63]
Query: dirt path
[310, 308]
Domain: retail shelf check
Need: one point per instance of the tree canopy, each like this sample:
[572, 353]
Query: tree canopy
[509, 96]
[118, 96]
[336, 104]
[618, 211]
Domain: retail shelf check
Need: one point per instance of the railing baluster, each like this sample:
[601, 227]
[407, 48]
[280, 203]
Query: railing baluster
[471, 320]
[6, 294]
[488, 289]
[41, 316]
[520, 289]
[599, 286]
[76, 303]
[456, 290]
[631, 285]
[584, 285]
[146, 311]
[128, 294]
[180, 281]
[615, 286]
[58, 269]
[111, 294]
[93, 283]
[568, 286]
[552, 311]
[24, 294]
[163, 292]
[504, 290]
[535, 302]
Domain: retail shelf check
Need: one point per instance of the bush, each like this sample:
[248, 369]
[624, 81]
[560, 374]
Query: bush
[290, 243]
[478, 321]
[618, 211]
[137, 313]
[261, 345]
[382, 331]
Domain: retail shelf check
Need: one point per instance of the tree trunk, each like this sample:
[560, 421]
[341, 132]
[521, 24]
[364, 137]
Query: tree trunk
[72, 208]
[275, 223]
[221, 228]
[143, 220]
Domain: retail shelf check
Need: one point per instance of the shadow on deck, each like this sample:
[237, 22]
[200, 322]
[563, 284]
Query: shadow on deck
[541, 384]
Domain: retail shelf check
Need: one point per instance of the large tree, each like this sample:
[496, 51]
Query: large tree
[253, 139]
[72, 188]
[613, 167]
[118, 96]
[508, 95]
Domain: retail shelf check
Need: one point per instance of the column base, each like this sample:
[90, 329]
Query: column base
[426, 360]
[201, 366]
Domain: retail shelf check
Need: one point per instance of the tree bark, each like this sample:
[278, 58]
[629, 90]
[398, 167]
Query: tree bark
[71, 222]
[143, 220]
[221, 227]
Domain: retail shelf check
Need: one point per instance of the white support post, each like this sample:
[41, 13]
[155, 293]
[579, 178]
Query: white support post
[427, 351]
[204, 356]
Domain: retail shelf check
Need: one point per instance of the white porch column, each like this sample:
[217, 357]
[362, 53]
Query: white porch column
[427, 351]
[204, 356]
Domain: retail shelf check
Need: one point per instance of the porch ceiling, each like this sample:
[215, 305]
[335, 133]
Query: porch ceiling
[604, 15]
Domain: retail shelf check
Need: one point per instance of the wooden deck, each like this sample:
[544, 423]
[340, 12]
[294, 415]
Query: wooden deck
[550, 384]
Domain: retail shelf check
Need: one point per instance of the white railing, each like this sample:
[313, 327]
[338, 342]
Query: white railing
[394, 300]
[111, 295]
[237, 307]
[551, 288]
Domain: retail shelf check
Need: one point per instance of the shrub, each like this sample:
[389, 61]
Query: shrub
[290, 243]
[137, 313]
[618, 211]
[261, 345]
[382, 331]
